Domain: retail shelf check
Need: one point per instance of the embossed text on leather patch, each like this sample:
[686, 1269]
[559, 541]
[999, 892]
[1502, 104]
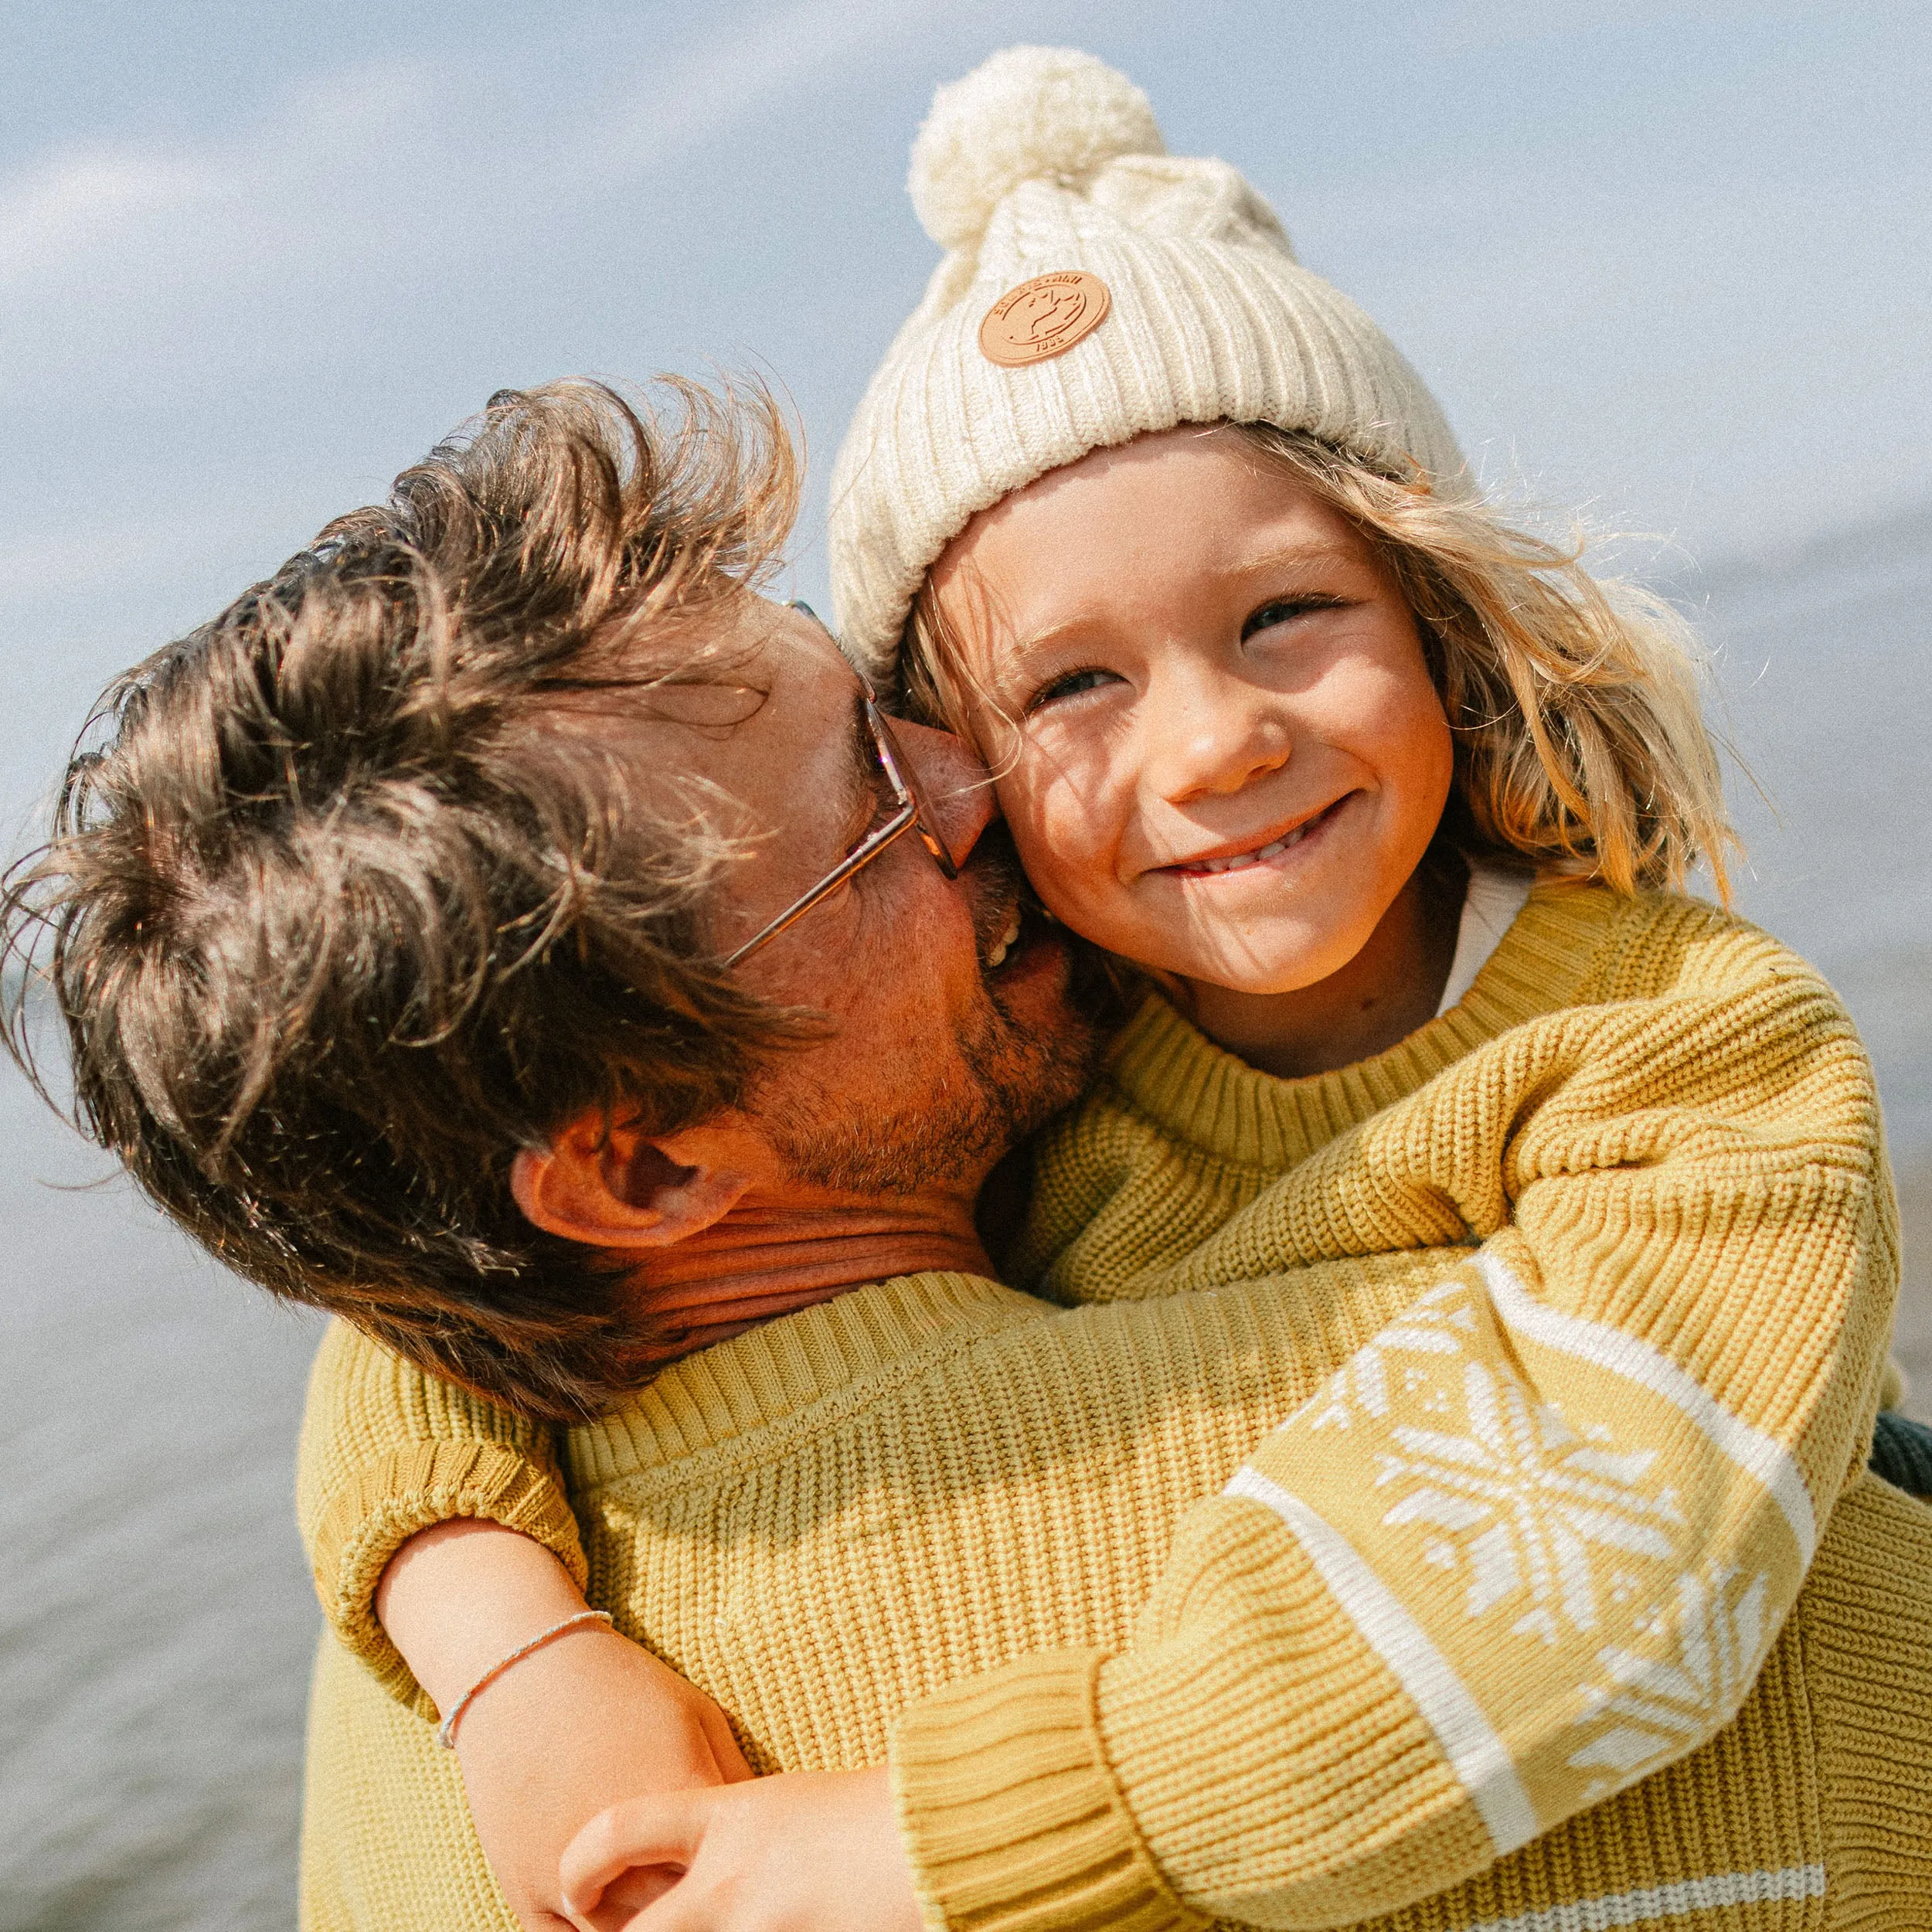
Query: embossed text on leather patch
[1043, 318]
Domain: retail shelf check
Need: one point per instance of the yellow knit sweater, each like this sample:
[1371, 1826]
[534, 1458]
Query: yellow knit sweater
[1539, 1353]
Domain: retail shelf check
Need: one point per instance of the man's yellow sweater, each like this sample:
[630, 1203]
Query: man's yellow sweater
[1435, 1558]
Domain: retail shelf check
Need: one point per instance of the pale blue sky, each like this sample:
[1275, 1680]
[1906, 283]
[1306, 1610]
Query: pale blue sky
[1669, 260]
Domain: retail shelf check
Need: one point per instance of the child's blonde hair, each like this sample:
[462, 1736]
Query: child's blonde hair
[1580, 744]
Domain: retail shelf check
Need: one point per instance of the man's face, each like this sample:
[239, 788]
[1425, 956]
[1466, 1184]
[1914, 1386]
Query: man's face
[937, 1061]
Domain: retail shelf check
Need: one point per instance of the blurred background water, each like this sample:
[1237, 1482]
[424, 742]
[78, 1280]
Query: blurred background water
[156, 1618]
[1665, 259]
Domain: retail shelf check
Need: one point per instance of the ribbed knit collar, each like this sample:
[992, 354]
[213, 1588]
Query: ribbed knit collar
[782, 1376]
[1199, 1094]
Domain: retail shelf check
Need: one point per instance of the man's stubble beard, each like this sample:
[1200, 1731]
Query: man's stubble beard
[1012, 1079]
[1014, 1076]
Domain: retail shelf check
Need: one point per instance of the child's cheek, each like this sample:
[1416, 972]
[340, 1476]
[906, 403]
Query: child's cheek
[1060, 832]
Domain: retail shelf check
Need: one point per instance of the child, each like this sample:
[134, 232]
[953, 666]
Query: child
[1577, 1180]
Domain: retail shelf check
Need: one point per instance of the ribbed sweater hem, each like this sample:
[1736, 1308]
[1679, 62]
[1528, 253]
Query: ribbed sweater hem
[1868, 1666]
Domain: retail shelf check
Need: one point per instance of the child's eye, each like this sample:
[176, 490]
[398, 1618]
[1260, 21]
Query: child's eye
[1284, 610]
[1074, 682]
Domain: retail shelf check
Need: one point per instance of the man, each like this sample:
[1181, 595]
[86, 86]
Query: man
[504, 929]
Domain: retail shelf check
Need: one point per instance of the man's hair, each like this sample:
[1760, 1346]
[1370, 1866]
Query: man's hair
[1580, 744]
[338, 920]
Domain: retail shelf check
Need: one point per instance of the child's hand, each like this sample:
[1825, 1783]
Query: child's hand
[805, 1849]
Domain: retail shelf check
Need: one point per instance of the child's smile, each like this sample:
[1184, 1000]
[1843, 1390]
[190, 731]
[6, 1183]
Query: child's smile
[1239, 856]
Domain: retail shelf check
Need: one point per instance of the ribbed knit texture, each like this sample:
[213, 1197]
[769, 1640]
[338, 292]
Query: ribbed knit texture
[1865, 1641]
[387, 1843]
[1627, 1194]
[1044, 160]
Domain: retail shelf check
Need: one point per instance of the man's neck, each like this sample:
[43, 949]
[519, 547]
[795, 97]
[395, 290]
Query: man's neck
[777, 1252]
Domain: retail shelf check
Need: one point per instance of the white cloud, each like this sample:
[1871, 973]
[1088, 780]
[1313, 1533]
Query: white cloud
[378, 166]
[155, 214]
[69, 206]
[712, 87]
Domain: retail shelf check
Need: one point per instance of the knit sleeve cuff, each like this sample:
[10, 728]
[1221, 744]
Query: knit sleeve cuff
[387, 1499]
[1010, 1815]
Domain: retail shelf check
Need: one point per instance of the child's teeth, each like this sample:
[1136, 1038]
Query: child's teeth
[1242, 859]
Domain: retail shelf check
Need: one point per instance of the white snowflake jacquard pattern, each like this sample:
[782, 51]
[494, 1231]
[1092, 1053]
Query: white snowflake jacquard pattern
[1531, 1508]
[1707, 1652]
[1564, 1537]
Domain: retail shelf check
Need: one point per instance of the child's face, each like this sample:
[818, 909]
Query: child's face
[1231, 755]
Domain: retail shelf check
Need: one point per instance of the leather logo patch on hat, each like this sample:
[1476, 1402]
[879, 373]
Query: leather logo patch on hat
[1043, 318]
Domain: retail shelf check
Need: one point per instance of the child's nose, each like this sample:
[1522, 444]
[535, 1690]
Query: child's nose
[1211, 744]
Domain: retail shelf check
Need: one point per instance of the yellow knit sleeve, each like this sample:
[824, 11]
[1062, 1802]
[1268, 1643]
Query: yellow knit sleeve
[388, 1449]
[1533, 1540]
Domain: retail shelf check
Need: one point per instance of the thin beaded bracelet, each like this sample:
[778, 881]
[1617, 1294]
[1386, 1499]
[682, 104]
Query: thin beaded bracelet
[446, 1731]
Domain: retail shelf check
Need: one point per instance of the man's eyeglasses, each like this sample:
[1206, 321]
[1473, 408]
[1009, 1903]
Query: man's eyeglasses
[909, 812]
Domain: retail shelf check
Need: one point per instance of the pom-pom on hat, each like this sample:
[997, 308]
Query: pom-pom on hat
[1095, 287]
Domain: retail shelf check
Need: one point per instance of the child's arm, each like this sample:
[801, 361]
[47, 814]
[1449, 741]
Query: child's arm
[583, 1718]
[1533, 1543]
[442, 1540]
[387, 1450]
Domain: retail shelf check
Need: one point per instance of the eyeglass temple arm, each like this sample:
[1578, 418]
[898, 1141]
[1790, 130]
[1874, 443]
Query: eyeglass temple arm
[861, 855]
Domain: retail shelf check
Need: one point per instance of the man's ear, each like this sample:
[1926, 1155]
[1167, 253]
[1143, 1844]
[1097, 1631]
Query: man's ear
[611, 1187]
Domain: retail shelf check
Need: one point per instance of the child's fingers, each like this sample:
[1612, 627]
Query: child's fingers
[664, 1829]
[629, 1892]
[626, 1900]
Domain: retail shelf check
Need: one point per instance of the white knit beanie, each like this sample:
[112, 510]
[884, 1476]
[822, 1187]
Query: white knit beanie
[1094, 288]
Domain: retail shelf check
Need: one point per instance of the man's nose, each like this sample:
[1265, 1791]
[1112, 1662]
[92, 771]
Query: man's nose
[1211, 736]
[957, 787]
